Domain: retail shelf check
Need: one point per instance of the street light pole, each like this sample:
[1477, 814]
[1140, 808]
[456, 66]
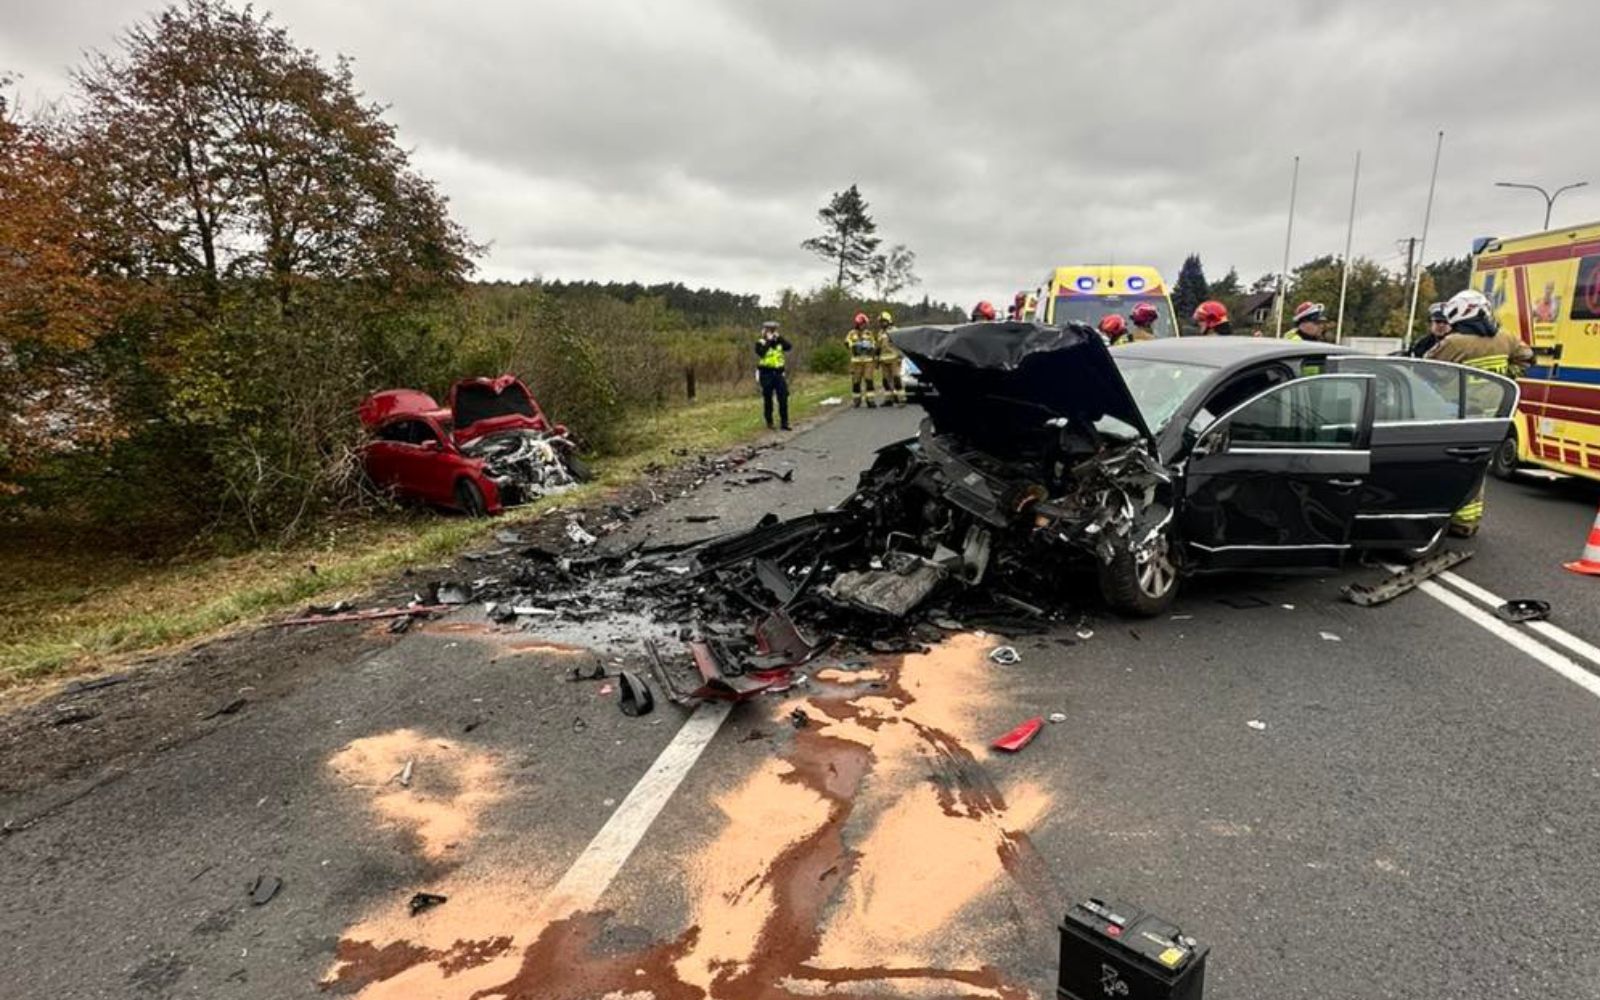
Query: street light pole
[1549, 198]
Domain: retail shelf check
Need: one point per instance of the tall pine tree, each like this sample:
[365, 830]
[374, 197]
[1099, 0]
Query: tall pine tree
[849, 238]
[1191, 288]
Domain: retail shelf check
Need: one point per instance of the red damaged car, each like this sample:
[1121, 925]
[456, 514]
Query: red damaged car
[491, 448]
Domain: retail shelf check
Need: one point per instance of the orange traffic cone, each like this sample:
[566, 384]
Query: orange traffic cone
[1589, 563]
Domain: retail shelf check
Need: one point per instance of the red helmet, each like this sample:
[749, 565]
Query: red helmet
[1113, 326]
[1144, 314]
[1210, 315]
[861, 319]
[983, 311]
[1310, 312]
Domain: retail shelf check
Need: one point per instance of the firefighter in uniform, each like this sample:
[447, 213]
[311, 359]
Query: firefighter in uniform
[1144, 318]
[1476, 340]
[863, 348]
[1113, 329]
[888, 359]
[983, 312]
[770, 360]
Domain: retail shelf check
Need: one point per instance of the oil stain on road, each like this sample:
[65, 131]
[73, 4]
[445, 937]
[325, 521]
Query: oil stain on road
[843, 866]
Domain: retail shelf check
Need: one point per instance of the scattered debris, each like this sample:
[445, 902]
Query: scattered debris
[1058, 717]
[830, 401]
[1523, 610]
[1019, 737]
[579, 536]
[500, 614]
[505, 536]
[404, 777]
[336, 608]
[74, 714]
[231, 707]
[1329, 637]
[399, 626]
[1401, 581]
[702, 518]
[606, 689]
[411, 611]
[263, 889]
[592, 672]
[1085, 634]
[1005, 655]
[799, 719]
[424, 901]
[634, 698]
[95, 684]
[452, 594]
[1257, 725]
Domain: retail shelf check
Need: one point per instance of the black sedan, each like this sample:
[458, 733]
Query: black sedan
[1165, 458]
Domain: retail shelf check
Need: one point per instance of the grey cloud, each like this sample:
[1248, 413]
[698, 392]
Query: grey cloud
[696, 140]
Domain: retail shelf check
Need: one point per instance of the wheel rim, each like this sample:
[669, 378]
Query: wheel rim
[1155, 570]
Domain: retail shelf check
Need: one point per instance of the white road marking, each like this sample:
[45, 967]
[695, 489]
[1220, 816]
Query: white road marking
[1521, 640]
[1555, 634]
[589, 877]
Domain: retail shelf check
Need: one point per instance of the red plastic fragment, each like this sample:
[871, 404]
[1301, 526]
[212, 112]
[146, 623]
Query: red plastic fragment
[1019, 737]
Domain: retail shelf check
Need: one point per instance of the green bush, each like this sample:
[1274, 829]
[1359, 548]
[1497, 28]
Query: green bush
[830, 358]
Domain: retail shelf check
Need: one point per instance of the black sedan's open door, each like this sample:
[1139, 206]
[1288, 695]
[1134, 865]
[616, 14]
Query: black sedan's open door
[1275, 482]
[1435, 427]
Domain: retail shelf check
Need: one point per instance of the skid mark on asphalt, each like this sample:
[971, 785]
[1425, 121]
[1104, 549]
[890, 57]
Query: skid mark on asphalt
[841, 867]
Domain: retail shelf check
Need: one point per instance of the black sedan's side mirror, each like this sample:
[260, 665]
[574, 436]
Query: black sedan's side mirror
[1213, 441]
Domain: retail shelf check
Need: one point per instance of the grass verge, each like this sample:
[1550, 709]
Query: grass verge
[67, 610]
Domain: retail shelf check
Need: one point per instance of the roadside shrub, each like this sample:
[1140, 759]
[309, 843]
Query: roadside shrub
[830, 358]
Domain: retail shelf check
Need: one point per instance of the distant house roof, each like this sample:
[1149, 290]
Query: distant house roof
[1257, 302]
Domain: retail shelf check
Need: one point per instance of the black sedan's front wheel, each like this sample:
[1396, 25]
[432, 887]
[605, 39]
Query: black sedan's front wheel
[1142, 584]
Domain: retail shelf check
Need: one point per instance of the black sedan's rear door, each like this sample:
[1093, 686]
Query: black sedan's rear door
[1274, 483]
[1435, 427]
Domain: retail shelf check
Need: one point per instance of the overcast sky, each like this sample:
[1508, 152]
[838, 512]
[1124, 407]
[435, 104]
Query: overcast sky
[694, 140]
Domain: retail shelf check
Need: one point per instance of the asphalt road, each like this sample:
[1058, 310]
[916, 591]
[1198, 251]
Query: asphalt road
[1342, 802]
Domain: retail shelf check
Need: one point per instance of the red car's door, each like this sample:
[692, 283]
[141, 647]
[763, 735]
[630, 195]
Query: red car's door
[411, 457]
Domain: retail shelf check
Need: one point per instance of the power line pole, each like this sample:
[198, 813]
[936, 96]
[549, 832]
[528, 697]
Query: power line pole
[1411, 255]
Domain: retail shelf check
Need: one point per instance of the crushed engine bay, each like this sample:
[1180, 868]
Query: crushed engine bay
[524, 463]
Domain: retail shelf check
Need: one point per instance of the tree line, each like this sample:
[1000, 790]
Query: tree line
[1377, 300]
[217, 246]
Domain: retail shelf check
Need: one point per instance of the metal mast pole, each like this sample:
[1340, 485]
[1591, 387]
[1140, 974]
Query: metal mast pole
[1422, 246]
[1349, 238]
[1283, 274]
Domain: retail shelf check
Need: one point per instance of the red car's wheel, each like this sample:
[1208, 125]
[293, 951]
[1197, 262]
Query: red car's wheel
[469, 499]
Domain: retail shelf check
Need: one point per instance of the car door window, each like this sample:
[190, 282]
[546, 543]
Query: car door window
[1418, 391]
[414, 432]
[1319, 412]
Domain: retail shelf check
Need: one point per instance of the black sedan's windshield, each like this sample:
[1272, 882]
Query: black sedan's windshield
[1158, 387]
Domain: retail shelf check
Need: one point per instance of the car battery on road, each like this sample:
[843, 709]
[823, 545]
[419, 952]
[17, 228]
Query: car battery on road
[1111, 951]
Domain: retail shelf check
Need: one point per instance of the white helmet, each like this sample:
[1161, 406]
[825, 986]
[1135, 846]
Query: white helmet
[1468, 310]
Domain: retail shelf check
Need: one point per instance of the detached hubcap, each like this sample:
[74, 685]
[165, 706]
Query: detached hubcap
[1155, 570]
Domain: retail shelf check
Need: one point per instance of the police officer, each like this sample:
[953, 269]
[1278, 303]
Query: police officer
[1438, 329]
[1476, 340]
[862, 344]
[770, 360]
[889, 359]
[1310, 323]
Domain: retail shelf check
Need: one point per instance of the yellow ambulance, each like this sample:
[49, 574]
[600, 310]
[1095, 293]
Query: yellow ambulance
[1088, 292]
[1546, 288]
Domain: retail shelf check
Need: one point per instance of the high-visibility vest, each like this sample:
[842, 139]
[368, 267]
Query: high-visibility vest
[773, 358]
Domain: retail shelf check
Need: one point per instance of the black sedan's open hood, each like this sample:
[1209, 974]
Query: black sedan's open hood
[1001, 382]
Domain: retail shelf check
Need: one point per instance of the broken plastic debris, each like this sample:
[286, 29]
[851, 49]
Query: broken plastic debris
[830, 401]
[1085, 633]
[535, 612]
[1019, 737]
[1288, 607]
[1523, 610]
[1329, 637]
[578, 535]
[453, 593]
[426, 901]
[635, 698]
[1257, 725]
[1058, 717]
[1005, 655]
[264, 888]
